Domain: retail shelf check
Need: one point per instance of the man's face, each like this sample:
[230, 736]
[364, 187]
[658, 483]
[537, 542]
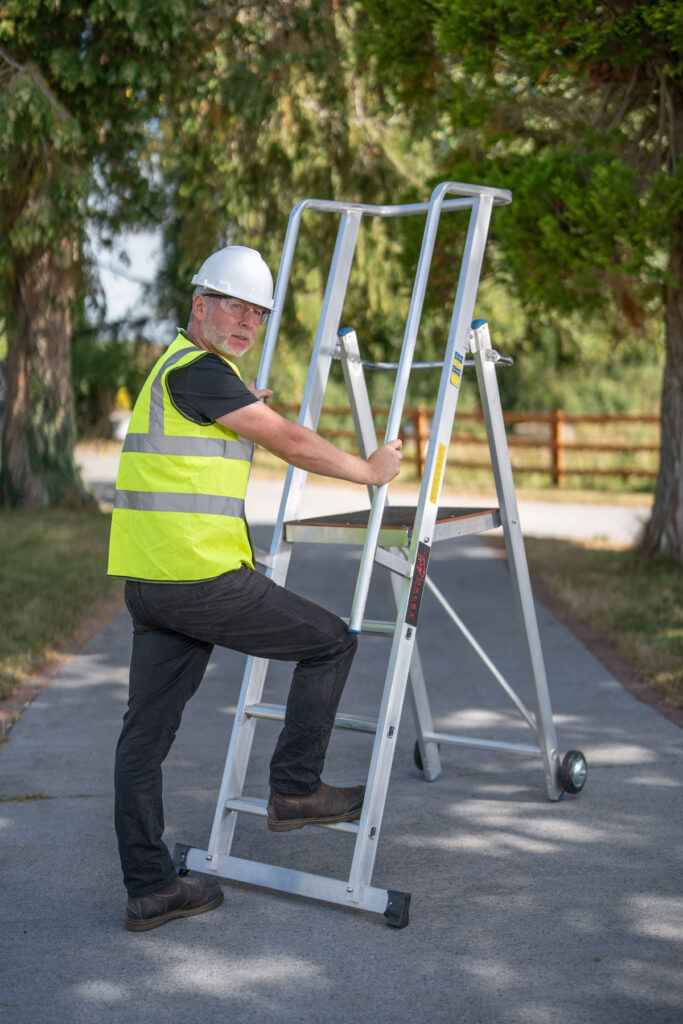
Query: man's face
[227, 326]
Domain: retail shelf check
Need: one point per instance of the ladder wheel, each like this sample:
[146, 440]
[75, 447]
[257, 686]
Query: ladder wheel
[574, 771]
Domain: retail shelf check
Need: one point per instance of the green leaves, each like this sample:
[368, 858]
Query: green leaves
[568, 104]
[78, 84]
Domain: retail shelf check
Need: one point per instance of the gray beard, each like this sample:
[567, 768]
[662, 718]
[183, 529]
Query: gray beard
[216, 338]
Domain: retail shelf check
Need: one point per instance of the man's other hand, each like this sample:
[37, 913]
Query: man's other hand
[263, 394]
[385, 462]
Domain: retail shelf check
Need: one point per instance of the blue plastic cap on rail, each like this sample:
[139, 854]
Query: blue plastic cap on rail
[477, 323]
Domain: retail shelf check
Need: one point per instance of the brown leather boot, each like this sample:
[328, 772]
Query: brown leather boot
[326, 806]
[179, 899]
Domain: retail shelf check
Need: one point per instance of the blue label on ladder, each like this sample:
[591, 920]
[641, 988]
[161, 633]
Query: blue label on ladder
[458, 361]
[417, 586]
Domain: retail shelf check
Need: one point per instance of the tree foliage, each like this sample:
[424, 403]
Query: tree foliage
[79, 83]
[281, 109]
[578, 108]
[572, 105]
[214, 119]
[376, 103]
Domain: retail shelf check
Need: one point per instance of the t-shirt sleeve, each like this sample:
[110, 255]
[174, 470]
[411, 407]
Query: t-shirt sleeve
[207, 389]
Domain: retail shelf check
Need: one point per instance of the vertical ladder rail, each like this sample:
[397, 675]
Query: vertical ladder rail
[363, 421]
[451, 374]
[514, 544]
[236, 762]
[370, 824]
[397, 404]
[425, 519]
[468, 282]
[281, 285]
[253, 680]
[316, 381]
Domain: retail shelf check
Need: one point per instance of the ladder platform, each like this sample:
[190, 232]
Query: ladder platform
[397, 525]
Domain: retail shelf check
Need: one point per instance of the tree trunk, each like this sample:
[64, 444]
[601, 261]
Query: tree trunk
[664, 533]
[38, 468]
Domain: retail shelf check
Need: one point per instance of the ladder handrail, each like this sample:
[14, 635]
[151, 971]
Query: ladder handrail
[483, 202]
[469, 195]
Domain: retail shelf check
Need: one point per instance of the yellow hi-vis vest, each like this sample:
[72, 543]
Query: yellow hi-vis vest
[179, 507]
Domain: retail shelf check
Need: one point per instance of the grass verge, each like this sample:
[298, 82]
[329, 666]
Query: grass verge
[54, 564]
[627, 609]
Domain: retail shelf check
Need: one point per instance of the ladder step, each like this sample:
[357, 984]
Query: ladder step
[254, 805]
[276, 713]
[374, 626]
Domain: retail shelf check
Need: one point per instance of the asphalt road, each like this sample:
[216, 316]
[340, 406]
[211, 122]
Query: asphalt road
[524, 911]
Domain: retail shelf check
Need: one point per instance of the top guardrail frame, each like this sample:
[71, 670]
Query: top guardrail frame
[467, 194]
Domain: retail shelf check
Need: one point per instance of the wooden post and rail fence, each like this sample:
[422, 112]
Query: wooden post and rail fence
[554, 434]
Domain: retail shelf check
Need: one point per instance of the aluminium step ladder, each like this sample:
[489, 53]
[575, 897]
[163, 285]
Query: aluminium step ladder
[398, 539]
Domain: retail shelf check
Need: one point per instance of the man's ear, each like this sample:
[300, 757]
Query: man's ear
[199, 305]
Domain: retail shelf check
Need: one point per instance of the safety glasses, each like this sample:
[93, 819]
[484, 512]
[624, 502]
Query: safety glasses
[239, 310]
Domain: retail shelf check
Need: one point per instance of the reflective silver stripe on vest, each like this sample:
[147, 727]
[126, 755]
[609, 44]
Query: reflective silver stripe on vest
[155, 501]
[207, 447]
[156, 398]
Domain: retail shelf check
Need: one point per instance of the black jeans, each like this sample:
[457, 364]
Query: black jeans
[175, 627]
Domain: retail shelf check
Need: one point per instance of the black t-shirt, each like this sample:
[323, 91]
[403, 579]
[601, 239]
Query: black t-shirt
[207, 389]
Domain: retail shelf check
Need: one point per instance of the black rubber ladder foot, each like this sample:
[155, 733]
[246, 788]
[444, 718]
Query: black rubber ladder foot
[398, 905]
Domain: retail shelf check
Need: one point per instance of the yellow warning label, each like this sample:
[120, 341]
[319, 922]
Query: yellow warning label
[438, 470]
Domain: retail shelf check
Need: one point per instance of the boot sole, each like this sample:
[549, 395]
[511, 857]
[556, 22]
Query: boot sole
[156, 922]
[289, 826]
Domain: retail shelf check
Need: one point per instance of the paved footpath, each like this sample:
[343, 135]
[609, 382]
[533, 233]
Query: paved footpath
[524, 911]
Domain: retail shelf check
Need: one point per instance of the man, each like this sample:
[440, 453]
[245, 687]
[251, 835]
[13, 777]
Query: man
[180, 540]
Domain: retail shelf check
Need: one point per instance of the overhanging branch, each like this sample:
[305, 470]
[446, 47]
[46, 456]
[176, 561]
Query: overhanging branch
[32, 72]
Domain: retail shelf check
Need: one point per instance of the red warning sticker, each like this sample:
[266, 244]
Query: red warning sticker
[419, 577]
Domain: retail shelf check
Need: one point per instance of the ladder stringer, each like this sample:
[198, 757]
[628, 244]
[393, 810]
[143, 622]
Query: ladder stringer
[359, 400]
[253, 680]
[318, 372]
[458, 340]
[237, 760]
[384, 746]
[514, 543]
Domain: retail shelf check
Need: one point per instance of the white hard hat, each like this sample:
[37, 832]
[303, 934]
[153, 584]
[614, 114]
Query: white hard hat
[237, 271]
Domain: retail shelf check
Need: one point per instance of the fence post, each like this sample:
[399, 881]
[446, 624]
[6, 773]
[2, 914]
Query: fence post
[558, 448]
[421, 437]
